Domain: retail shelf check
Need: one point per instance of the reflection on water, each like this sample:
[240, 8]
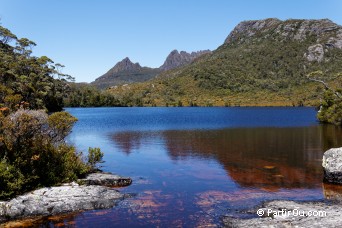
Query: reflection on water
[332, 192]
[268, 158]
[194, 165]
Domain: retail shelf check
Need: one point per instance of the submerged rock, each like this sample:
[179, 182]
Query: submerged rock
[67, 198]
[332, 164]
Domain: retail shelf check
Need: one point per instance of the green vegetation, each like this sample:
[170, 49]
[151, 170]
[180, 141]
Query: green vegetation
[331, 109]
[33, 151]
[94, 156]
[84, 95]
[139, 75]
[37, 81]
[331, 104]
[268, 68]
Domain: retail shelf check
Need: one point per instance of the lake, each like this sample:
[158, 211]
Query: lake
[191, 166]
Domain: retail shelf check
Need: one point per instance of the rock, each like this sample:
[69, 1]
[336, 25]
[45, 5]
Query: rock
[291, 214]
[336, 41]
[250, 28]
[177, 59]
[315, 53]
[126, 65]
[69, 197]
[125, 72]
[332, 164]
[324, 30]
[57, 200]
[106, 179]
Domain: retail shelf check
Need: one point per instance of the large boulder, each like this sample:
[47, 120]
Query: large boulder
[332, 164]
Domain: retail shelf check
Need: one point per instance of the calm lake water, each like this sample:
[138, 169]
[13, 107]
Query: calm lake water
[191, 166]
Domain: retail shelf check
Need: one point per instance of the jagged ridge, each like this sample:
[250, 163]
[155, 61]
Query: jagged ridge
[126, 72]
[177, 59]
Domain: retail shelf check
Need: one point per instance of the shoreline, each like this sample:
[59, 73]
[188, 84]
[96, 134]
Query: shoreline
[93, 192]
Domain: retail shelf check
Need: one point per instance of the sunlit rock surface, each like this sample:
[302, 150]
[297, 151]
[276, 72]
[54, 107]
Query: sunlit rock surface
[332, 164]
[68, 198]
[308, 214]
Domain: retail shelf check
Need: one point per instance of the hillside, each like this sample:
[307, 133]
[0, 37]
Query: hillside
[261, 62]
[126, 72]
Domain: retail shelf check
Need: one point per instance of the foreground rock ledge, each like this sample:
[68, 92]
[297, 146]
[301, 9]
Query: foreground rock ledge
[332, 164]
[65, 199]
[106, 179]
[311, 214]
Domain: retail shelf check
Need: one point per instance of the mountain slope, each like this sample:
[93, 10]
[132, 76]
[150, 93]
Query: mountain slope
[125, 72]
[262, 62]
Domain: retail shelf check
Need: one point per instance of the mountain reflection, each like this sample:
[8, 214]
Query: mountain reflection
[128, 141]
[267, 158]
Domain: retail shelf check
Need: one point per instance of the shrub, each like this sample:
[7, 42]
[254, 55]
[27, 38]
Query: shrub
[60, 124]
[94, 156]
[34, 153]
[11, 180]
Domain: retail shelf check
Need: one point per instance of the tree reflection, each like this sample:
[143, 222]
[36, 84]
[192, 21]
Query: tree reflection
[268, 158]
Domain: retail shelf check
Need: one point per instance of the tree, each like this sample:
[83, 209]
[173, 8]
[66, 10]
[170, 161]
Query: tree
[25, 78]
[331, 105]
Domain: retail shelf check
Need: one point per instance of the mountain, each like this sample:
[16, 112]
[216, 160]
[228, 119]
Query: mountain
[126, 72]
[261, 63]
[177, 59]
[126, 66]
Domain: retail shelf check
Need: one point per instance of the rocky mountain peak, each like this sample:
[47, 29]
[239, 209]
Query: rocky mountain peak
[126, 65]
[250, 27]
[295, 29]
[177, 59]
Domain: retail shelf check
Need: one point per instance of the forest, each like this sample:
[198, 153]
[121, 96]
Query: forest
[33, 127]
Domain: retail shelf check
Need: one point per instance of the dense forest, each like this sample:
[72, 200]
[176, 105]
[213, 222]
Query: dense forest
[85, 95]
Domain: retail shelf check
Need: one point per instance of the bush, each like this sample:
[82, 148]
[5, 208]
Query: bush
[60, 124]
[33, 151]
[94, 156]
[11, 180]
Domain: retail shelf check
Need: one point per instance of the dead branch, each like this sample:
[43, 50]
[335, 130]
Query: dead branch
[326, 86]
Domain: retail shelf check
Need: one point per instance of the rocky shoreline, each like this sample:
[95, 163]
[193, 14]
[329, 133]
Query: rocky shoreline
[282, 213]
[93, 192]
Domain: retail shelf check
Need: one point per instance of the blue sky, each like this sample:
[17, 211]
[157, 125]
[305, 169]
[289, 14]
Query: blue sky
[90, 36]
